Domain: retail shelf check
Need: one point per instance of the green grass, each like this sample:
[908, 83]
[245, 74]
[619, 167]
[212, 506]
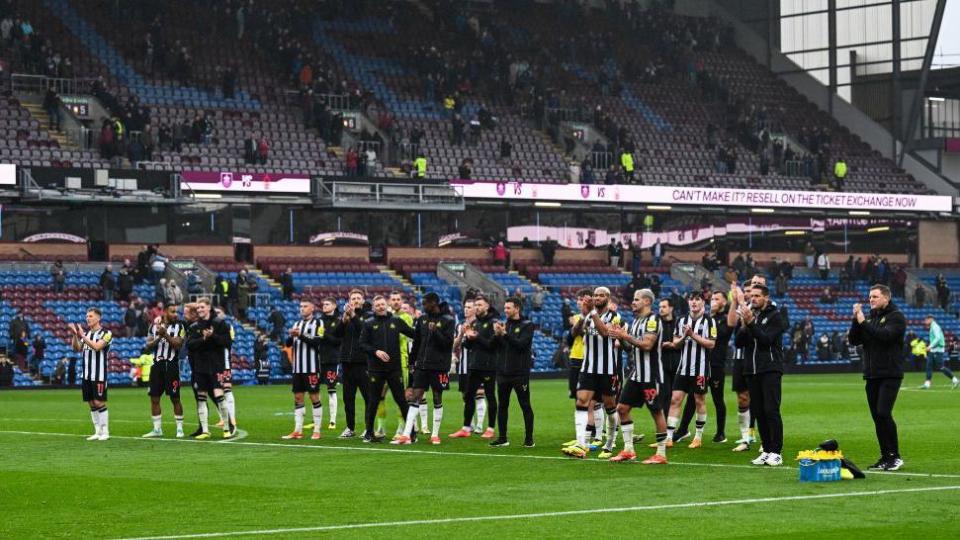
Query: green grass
[62, 486]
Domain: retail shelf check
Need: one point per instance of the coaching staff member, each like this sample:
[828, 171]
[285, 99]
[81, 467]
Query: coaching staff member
[881, 334]
[761, 337]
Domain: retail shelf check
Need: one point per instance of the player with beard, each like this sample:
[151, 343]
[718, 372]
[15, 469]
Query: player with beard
[381, 341]
[165, 339]
[479, 339]
[207, 342]
[585, 304]
[353, 359]
[600, 374]
[432, 348]
[643, 340]
[461, 363]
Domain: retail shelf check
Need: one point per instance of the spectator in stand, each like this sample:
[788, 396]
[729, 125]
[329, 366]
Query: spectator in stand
[657, 251]
[158, 265]
[823, 264]
[130, 319]
[465, 170]
[160, 290]
[278, 323]
[352, 162]
[900, 282]
[51, 104]
[943, 292]
[824, 349]
[39, 349]
[194, 285]
[263, 150]
[809, 254]
[548, 249]
[21, 350]
[174, 294]
[18, 326]
[250, 150]
[612, 257]
[536, 299]
[108, 283]
[827, 297]
[286, 283]
[60, 372]
[501, 255]
[59, 276]
[846, 281]
[506, 149]
[781, 285]
[229, 83]
[730, 276]
[243, 294]
[919, 296]
[124, 284]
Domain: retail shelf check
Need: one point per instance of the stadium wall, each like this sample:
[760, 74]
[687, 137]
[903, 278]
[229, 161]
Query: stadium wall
[312, 252]
[939, 243]
[14, 250]
[121, 251]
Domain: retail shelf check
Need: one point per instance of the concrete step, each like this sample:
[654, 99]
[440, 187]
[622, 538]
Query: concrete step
[393, 273]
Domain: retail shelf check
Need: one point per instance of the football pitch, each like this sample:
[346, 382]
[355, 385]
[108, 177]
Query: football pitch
[53, 483]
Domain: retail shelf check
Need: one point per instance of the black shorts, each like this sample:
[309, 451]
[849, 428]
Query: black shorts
[94, 391]
[738, 383]
[690, 384]
[329, 375]
[717, 375]
[573, 376]
[206, 382]
[165, 379]
[605, 385]
[434, 379]
[306, 382]
[637, 394]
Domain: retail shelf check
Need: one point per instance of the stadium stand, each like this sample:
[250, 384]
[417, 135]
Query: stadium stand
[672, 91]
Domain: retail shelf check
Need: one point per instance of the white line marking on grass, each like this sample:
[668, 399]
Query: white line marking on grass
[513, 517]
[82, 420]
[492, 454]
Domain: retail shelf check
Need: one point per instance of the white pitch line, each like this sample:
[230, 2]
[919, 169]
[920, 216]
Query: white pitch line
[512, 517]
[453, 454]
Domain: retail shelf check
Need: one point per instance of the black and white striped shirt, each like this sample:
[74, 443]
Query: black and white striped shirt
[647, 367]
[305, 358]
[464, 354]
[164, 351]
[95, 362]
[694, 358]
[601, 355]
[227, 350]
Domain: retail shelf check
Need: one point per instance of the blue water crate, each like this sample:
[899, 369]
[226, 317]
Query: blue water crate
[827, 470]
